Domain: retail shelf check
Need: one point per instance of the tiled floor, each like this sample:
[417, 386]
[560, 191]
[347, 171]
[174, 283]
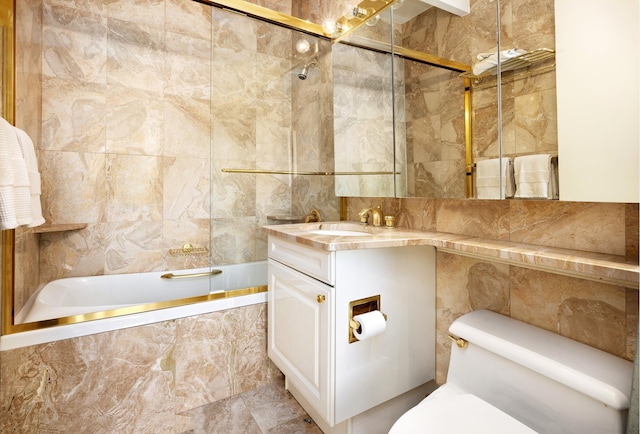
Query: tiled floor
[268, 409]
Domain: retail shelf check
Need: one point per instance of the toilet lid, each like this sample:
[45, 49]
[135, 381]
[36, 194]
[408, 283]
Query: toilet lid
[460, 414]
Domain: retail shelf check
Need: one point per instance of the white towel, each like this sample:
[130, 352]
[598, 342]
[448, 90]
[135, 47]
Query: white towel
[490, 60]
[15, 197]
[536, 176]
[488, 179]
[35, 184]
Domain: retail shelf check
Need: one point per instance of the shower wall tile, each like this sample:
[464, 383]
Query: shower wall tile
[146, 12]
[134, 122]
[187, 127]
[188, 17]
[73, 254]
[186, 191]
[134, 188]
[74, 44]
[234, 194]
[72, 183]
[73, 115]
[187, 65]
[133, 247]
[233, 241]
[88, 5]
[135, 56]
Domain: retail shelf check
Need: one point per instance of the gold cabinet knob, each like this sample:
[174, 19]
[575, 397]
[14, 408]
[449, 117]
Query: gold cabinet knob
[321, 298]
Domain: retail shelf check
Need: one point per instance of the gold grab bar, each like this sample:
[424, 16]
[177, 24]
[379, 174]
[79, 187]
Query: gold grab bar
[190, 275]
[294, 172]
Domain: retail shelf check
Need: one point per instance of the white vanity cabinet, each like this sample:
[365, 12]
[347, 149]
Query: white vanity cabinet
[311, 293]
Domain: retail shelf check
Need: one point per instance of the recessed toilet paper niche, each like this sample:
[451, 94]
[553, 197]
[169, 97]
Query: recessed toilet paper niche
[357, 310]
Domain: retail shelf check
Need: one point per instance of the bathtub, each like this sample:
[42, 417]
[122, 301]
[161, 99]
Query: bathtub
[111, 302]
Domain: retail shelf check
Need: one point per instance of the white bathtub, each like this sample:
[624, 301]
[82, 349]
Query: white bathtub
[97, 297]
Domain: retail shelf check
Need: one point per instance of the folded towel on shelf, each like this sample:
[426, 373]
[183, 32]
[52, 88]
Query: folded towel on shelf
[490, 60]
[15, 196]
[35, 184]
[536, 176]
[488, 175]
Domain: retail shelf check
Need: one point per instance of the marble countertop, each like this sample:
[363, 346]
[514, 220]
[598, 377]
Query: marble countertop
[586, 265]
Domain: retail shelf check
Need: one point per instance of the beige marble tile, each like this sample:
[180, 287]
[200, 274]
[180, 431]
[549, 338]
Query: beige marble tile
[535, 123]
[533, 24]
[133, 247]
[271, 405]
[187, 65]
[186, 191]
[72, 254]
[221, 354]
[73, 115]
[134, 188]
[589, 312]
[189, 18]
[233, 240]
[487, 219]
[74, 44]
[73, 187]
[591, 227]
[135, 55]
[134, 122]
[145, 12]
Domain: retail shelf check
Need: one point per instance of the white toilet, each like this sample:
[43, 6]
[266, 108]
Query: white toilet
[506, 376]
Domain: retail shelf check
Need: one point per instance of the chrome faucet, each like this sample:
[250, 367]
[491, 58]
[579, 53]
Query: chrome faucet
[376, 216]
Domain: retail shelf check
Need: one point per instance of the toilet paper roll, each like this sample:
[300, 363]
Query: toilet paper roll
[371, 324]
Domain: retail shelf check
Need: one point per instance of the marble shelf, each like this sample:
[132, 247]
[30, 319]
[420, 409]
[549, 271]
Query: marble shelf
[599, 267]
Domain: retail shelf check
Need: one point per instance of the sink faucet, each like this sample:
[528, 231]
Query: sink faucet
[376, 214]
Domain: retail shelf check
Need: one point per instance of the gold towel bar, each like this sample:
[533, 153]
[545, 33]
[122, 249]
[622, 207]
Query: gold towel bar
[190, 275]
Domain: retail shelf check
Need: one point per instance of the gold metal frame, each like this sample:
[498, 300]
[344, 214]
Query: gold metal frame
[7, 24]
[16, 328]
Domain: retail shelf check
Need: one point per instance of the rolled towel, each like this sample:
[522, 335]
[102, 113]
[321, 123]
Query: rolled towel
[536, 176]
[488, 179]
[29, 154]
[490, 60]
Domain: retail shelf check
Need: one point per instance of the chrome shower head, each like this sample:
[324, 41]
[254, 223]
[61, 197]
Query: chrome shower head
[302, 75]
[304, 72]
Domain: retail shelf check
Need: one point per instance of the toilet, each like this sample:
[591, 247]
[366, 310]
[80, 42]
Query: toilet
[506, 376]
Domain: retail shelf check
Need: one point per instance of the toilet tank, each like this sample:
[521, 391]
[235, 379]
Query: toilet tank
[550, 383]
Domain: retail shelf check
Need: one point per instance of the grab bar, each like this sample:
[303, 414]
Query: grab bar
[190, 275]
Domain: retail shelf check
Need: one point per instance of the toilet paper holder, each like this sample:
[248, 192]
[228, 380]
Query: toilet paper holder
[358, 307]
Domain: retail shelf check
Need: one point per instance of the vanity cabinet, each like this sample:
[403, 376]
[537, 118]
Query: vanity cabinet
[311, 294]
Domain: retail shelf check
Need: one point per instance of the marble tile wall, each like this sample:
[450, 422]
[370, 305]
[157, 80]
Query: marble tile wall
[598, 314]
[142, 379]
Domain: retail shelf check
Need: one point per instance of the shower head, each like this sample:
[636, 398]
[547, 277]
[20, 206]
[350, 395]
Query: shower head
[304, 72]
[302, 75]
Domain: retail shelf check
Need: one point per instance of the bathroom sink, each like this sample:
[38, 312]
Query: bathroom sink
[339, 233]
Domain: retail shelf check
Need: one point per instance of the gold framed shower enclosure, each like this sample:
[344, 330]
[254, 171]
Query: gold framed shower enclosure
[361, 13]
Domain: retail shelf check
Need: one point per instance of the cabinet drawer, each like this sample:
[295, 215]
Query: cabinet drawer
[312, 262]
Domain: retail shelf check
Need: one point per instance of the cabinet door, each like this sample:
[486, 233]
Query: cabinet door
[299, 331]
